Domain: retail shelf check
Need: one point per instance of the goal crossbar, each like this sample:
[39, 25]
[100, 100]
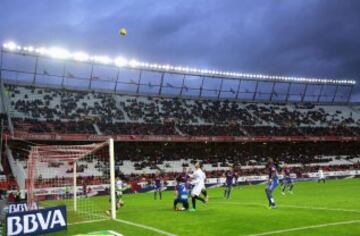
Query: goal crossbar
[71, 154]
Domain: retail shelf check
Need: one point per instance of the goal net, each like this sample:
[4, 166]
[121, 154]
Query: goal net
[82, 177]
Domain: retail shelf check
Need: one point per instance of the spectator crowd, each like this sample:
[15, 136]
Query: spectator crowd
[45, 110]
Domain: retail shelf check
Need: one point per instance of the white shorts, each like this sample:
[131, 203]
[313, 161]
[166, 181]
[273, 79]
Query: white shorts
[197, 189]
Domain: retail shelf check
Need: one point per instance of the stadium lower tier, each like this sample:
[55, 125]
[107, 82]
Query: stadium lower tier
[140, 161]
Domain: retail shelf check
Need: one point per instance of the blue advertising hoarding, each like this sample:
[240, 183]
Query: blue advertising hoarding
[36, 222]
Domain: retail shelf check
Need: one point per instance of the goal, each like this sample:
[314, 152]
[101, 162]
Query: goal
[82, 177]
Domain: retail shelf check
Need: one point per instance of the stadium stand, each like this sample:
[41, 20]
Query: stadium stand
[38, 110]
[60, 111]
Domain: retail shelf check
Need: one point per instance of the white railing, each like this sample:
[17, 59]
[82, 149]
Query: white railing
[17, 170]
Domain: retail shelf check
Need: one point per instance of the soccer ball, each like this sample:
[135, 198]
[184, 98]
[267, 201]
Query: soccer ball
[123, 32]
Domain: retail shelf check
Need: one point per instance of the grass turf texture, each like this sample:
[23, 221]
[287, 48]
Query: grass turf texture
[245, 214]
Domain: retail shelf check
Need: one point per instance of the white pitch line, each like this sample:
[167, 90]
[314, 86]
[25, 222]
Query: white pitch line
[294, 206]
[87, 222]
[307, 227]
[128, 223]
[321, 208]
[145, 227]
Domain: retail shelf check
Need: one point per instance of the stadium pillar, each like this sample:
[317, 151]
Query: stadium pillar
[201, 87]
[1, 81]
[272, 91]
[63, 75]
[320, 95]
[1, 139]
[36, 68]
[220, 90]
[182, 85]
[238, 90]
[1, 62]
[288, 93]
[161, 82]
[335, 93]
[91, 75]
[256, 89]
[117, 79]
[350, 94]
[304, 93]
[139, 82]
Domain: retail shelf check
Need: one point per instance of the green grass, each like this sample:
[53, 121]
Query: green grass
[245, 214]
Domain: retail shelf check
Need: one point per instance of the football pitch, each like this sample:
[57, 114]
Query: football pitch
[314, 209]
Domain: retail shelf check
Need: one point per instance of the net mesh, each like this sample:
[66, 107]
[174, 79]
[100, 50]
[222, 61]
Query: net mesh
[77, 176]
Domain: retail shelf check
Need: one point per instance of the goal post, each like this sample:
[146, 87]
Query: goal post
[112, 178]
[80, 176]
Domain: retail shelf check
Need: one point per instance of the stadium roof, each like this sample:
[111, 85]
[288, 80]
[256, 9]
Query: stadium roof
[60, 53]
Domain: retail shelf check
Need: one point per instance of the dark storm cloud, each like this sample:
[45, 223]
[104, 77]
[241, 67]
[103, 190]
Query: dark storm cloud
[290, 37]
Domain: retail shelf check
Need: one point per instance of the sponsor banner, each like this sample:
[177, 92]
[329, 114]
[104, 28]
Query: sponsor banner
[145, 187]
[61, 190]
[36, 222]
[177, 138]
[21, 207]
[335, 173]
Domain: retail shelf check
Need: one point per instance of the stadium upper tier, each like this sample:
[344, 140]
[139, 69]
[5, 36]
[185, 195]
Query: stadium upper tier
[39, 110]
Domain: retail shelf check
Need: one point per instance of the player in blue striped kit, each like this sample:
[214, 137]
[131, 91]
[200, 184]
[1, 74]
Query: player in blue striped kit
[287, 181]
[230, 180]
[273, 182]
[182, 194]
[157, 186]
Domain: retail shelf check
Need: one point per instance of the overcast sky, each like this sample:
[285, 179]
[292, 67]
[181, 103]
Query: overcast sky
[317, 38]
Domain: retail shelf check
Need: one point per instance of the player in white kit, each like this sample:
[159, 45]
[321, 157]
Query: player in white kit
[119, 192]
[198, 180]
[321, 176]
[119, 187]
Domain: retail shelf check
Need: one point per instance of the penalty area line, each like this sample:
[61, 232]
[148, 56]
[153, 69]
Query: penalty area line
[145, 227]
[306, 227]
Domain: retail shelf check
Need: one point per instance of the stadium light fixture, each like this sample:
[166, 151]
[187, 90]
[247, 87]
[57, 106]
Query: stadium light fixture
[120, 61]
[123, 62]
[133, 63]
[10, 46]
[101, 59]
[59, 53]
[80, 56]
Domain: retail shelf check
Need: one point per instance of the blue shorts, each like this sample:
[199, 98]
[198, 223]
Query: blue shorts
[274, 183]
[157, 188]
[183, 201]
[287, 180]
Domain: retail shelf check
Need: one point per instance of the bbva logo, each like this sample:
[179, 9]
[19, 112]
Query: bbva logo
[37, 221]
[20, 207]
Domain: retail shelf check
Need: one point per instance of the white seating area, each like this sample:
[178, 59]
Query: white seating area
[168, 166]
[46, 171]
[55, 104]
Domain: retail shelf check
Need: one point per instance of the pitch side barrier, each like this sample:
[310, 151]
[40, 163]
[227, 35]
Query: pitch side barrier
[177, 138]
[97, 190]
[212, 182]
[253, 180]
